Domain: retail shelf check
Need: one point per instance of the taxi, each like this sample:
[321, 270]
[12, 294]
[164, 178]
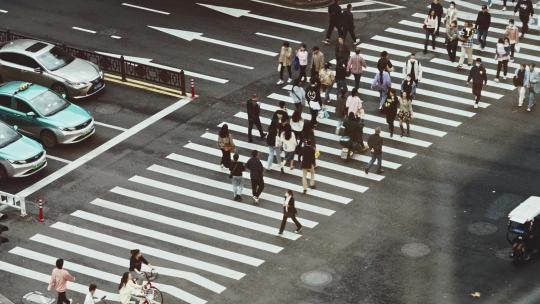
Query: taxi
[43, 114]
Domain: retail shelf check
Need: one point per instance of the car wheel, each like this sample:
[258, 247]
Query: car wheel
[48, 139]
[3, 174]
[60, 89]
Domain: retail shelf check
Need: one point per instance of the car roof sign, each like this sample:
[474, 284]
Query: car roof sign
[526, 211]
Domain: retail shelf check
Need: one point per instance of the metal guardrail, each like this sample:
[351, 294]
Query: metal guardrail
[120, 66]
[14, 201]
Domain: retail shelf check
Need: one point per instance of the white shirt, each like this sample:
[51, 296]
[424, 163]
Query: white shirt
[297, 126]
[302, 57]
[89, 299]
[353, 104]
[129, 289]
[288, 145]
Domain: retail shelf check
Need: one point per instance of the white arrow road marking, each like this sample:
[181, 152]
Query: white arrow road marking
[239, 13]
[232, 63]
[190, 36]
[343, 6]
[146, 9]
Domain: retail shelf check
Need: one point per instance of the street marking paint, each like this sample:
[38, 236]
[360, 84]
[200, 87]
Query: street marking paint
[103, 148]
[149, 251]
[213, 215]
[227, 186]
[111, 259]
[320, 178]
[239, 13]
[149, 85]
[83, 30]
[267, 180]
[3, 11]
[278, 38]
[110, 126]
[160, 236]
[190, 36]
[45, 278]
[343, 6]
[115, 37]
[320, 163]
[232, 63]
[326, 149]
[146, 8]
[452, 64]
[106, 276]
[143, 87]
[62, 160]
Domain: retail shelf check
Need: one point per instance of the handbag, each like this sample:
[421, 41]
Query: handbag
[296, 63]
[315, 105]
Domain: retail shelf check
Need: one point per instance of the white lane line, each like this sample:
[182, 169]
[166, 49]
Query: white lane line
[83, 30]
[278, 38]
[103, 148]
[477, 7]
[44, 278]
[115, 37]
[320, 178]
[343, 6]
[110, 126]
[111, 259]
[165, 237]
[227, 186]
[62, 160]
[106, 276]
[232, 63]
[145, 8]
[267, 180]
[194, 227]
[320, 163]
[218, 201]
[149, 251]
[522, 45]
[3, 11]
[453, 65]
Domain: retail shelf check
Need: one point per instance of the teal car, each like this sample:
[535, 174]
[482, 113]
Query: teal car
[19, 155]
[43, 114]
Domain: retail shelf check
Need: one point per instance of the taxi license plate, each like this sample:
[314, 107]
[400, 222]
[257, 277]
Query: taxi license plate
[39, 164]
[98, 85]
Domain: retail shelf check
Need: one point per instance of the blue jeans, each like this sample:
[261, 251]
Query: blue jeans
[374, 157]
[532, 98]
[382, 96]
[271, 152]
[237, 185]
[482, 37]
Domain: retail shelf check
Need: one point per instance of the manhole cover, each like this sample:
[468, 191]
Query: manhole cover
[415, 250]
[108, 109]
[482, 228]
[316, 278]
[504, 254]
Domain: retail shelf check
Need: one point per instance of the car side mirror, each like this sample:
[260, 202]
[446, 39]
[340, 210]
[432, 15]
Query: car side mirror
[31, 114]
[38, 70]
[15, 127]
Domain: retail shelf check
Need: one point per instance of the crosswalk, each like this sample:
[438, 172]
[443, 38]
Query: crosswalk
[180, 213]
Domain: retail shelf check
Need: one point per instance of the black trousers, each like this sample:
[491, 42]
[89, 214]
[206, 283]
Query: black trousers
[257, 186]
[62, 299]
[349, 31]
[504, 2]
[284, 221]
[226, 158]
[451, 49]
[303, 74]
[314, 114]
[257, 123]
[502, 65]
[333, 24]
[525, 20]
[430, 32]
[282, 69]
[477, 91]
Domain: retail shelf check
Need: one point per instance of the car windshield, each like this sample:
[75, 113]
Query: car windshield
[49, 103]
[7, 135]
[54, 59]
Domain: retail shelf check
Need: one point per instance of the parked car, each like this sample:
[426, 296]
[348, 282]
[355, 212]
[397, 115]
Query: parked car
[48, 65]
[19, 155]
[44, 114]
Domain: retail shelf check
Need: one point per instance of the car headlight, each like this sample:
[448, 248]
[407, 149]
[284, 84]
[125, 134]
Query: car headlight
[78, 85]
[17, 162]
[68, 129]
[101, 74]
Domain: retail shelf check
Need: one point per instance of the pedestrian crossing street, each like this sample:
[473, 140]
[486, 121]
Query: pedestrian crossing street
[201, 241]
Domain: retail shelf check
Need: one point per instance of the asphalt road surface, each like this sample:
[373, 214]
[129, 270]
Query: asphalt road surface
[431, 229]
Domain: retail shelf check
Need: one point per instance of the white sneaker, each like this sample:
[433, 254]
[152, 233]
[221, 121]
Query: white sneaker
[326, 41]
[475, 105]
[279, 82]
[528, 109]
[504, 8]
[504, 77]
[289, 80]
[496, 79]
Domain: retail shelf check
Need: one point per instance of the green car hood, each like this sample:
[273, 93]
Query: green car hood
[69, 117]
[21, 149]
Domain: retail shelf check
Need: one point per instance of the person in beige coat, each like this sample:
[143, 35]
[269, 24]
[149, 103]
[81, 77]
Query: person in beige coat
[285, 62]
[317, 62]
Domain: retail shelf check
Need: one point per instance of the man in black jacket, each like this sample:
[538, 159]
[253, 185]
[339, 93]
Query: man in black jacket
[375, 143]
[255, 168]
[253, 112]
[347, 24]
[437, 7]
[334, 12]
[526, 10]
[483, 21]
[313, 98]
[478, 76]
[307, 155]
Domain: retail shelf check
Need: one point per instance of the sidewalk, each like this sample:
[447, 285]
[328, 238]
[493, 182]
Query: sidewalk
[303, 3]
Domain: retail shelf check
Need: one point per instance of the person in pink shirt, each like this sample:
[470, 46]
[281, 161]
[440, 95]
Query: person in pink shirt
[59, 279]
[355, 66]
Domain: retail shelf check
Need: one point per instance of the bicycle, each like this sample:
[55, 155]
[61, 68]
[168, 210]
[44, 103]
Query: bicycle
[152, 295]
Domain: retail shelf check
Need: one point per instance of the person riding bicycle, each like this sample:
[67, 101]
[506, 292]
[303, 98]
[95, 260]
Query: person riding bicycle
[135, 265]
[89, 299]
[129, 291]
[354, 129]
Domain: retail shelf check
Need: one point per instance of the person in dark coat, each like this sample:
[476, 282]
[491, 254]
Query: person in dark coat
[253, 112]
[347, 24]
[478, 76]
[334, 13]
[237, 168]
[308, 164]
[483, 21]
[255, 168]
[313, 98]
[437, 7]
[342, 52]
[384, 63]
[375, 143]
[280, 113]
[289, 211]
[354, 129]
[341, 109]
[390, 109]
[525, 8]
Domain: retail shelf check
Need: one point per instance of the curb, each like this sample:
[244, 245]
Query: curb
[303, 3]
